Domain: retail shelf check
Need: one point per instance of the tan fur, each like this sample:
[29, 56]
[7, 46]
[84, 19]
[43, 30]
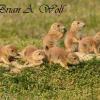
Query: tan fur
[27, 51]
[87, 45]
[55, 33]
[71, 37]
[87, 57]
[33, 56]
[7, 52]
[97, 39]
[90, 44]
[59, 55]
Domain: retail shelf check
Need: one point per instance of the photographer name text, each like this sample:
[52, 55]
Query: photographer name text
[44, 8]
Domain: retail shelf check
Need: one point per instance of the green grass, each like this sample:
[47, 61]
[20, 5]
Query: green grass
[53, 83]
[49, 82]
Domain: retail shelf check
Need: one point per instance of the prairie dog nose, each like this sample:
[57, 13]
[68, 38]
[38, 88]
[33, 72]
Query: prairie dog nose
[84, 25]
[63, 30]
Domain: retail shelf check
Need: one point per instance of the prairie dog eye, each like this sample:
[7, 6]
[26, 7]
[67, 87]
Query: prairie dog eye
[74, 58]
[12, 50]
[78, 22]
[58, 25]
[39, 53]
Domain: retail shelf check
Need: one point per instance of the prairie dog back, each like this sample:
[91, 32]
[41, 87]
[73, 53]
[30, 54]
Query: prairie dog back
[28, 50]
[59, 55]
[90, 44]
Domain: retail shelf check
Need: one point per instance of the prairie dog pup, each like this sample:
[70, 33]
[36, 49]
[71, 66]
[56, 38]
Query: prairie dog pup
[33, 56]
[55, 33]
[59, 55]
[90, 44]
[71, 37]
[7, 53]
[97, 39]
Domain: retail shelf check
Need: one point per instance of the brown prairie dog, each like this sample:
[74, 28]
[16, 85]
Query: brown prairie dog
[60, 56]
[97, 39]
[55, 33]
[87, 45]
[71, 35]
[90, 44]
[7, 53]
[32, 55]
